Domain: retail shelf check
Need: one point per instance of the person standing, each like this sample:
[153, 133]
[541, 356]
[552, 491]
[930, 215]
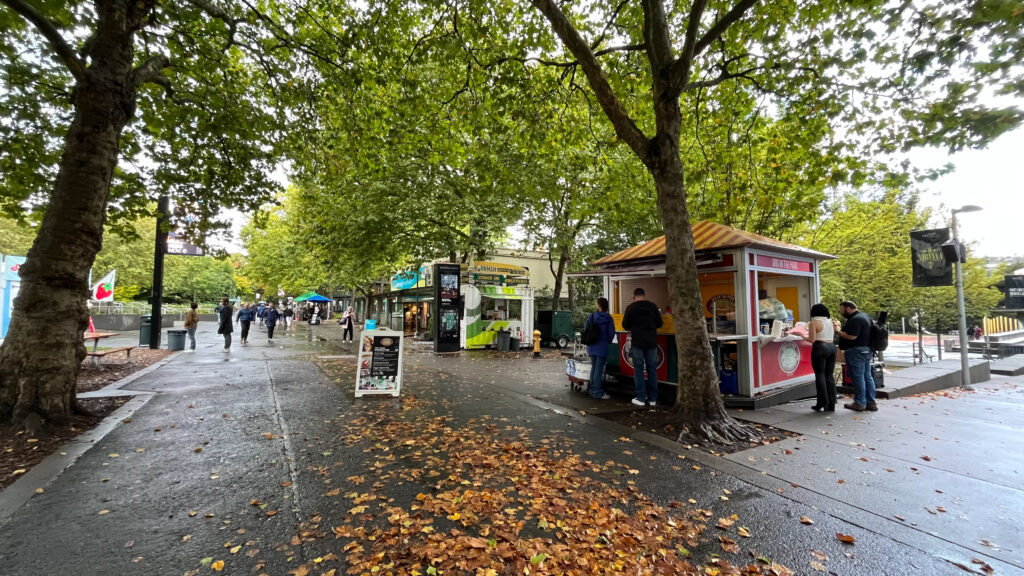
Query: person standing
[224, 322]
[821, 333]
[598, 351]
[348, 323]
[192, 323]
[270, 318]
[244, 318]
[642, 319]
[855, 339]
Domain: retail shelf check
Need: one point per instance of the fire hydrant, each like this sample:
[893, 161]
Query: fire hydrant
[536, 343]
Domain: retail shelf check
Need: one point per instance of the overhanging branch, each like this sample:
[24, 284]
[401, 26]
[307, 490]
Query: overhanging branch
[149, 72]
[624, 126]
[680, 70]
[49, 30]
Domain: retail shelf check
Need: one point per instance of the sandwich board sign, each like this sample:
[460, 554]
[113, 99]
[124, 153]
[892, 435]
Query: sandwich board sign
[379, 369]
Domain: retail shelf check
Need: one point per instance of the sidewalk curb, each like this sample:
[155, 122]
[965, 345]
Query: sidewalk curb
[41, 475]
[106, 390]
[17, 495]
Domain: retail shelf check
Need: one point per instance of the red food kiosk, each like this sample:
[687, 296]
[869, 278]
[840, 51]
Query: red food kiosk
[751, 286]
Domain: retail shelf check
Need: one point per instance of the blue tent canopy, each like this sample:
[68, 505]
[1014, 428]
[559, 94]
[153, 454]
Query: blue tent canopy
[312, 297]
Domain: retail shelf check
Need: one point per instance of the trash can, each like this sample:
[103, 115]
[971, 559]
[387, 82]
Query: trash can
[513, 344]
[145, 329]
[503, 339]
[176, 339]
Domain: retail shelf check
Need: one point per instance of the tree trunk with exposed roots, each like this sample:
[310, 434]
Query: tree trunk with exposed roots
[43, 351]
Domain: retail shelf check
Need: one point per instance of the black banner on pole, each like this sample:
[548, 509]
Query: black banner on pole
[446, 296]
[1014, 292]
[930, 267]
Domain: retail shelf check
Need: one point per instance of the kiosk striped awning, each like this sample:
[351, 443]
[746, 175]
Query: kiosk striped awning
[707, 236]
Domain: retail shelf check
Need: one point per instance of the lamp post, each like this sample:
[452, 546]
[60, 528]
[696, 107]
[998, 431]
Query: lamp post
[965, 373]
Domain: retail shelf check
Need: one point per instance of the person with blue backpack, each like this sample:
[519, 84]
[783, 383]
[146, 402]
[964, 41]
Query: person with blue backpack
[598, 332]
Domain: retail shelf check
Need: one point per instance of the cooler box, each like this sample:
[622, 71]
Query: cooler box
[729, 382]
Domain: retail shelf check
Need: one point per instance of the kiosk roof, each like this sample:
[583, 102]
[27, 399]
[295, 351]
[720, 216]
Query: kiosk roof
[708, 236]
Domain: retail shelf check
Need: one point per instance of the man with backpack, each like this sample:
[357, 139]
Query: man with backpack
[855, 342]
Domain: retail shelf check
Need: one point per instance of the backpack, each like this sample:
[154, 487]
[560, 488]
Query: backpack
[878, 337]
[591, 333]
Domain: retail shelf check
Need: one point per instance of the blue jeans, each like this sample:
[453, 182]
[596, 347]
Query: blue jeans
[646, 390]
[597, 364]
[859, 362]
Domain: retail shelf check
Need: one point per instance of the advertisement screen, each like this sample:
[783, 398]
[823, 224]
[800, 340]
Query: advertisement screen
[447, 324]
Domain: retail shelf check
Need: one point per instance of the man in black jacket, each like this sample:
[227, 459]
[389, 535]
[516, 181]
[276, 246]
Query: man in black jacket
[854, 341]
[643, 319]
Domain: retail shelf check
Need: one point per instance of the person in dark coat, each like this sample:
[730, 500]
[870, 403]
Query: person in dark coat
[598, 351]
[224, 326]
[270, 318]
[642, 319]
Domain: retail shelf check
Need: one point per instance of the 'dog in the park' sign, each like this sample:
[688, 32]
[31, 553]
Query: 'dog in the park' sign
[380, 363]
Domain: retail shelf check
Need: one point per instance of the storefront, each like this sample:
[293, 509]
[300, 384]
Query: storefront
[752, 288]
[494, 296]
[490, 308]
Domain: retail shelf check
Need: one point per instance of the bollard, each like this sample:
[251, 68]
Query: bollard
[536, 343]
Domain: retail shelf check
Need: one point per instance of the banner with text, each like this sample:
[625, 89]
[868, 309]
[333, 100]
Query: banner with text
[930, 267]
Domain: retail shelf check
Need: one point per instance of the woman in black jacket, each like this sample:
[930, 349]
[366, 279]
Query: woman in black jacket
[224, 322]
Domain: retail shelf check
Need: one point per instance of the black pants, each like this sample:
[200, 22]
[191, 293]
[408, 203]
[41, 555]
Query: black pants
[245, 330]
[270, 331]
[823, 358]
[347, 334]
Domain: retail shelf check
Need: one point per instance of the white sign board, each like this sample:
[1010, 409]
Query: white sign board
[379, 370]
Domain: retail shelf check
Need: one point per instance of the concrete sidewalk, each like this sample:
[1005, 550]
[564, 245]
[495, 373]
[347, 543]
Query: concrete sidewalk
[248, 458]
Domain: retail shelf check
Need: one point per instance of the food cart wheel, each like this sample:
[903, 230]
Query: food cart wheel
[563, 341]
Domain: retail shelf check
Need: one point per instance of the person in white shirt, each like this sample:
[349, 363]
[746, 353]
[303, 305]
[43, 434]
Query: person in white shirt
[821, 335]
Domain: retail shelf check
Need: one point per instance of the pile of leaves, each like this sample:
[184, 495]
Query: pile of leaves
[484, 497]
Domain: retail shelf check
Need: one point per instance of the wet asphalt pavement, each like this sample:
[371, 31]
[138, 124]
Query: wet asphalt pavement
[245, 458]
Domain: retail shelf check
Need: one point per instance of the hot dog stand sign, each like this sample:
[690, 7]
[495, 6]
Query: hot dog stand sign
[380, 363]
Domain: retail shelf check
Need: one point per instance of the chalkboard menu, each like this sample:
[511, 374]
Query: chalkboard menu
[380, 363]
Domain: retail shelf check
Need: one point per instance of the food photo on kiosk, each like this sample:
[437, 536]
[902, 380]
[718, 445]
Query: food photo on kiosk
[757, 294]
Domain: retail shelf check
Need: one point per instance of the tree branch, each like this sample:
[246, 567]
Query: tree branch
[149, 71]
[680, 71]
[624, 126]
[659, 46]
[63, 50]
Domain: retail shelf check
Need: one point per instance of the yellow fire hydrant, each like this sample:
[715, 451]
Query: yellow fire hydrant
[536, 343]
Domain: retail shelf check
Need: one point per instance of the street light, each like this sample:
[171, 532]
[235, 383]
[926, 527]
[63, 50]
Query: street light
[965, 377]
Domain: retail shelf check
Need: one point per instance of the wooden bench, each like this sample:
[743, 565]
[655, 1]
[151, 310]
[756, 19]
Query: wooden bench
[97, 355]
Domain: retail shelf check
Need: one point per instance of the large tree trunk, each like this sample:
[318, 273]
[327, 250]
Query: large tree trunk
[558, 271]
[698, 399]
[40, 358]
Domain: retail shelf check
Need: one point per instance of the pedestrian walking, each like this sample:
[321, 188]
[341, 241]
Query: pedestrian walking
[855, 338]
[260, 310]
[244, 318]
[598, 351]
[348, 323]
[821, 335]
[642, 319]
[270, 318]
[289, 316]
[224, 322]
[192, 323]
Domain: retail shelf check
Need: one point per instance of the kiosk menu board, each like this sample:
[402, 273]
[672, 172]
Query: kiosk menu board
[447, 290]
[380, 363]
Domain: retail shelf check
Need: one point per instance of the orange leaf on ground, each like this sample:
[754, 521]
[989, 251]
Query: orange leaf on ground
[845, 538]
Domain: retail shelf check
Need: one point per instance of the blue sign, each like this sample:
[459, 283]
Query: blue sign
[11, 266]
[404, 280]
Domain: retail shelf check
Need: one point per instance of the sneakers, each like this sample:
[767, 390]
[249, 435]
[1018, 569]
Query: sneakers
[855, 407]
[638, 402]
[871, 407]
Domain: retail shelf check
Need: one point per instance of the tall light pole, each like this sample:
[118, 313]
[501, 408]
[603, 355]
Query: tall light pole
[965, 376]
